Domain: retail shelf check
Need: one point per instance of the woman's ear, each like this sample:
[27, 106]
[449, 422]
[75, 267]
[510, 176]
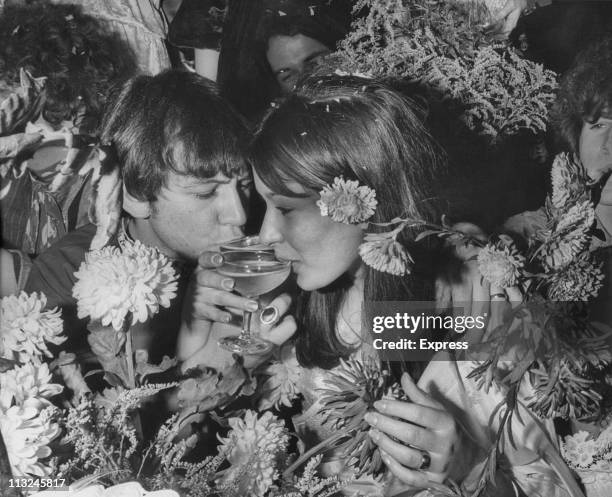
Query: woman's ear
[138, 209]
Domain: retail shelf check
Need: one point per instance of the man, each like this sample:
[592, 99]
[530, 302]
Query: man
[179, 150]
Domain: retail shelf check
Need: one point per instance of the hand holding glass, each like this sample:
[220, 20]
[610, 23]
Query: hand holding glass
[254, 272]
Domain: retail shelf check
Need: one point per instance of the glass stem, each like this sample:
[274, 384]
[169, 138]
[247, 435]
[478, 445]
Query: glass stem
[246, 325]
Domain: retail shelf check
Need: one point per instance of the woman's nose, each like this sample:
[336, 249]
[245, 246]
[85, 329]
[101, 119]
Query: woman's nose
[269, 232]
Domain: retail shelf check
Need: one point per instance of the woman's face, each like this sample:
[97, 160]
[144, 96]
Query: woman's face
[321, 250]
[595, 147]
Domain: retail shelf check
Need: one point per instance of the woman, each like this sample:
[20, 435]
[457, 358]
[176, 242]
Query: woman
[330, 131]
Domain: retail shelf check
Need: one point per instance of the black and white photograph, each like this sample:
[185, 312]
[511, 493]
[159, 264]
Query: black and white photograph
[306, 248]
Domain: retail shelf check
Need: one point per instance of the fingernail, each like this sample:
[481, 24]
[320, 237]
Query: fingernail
[228, 284]
[374, 435]
[252, 306]
[385, 457]
[371, 419]
[380, 405]
[217, 259]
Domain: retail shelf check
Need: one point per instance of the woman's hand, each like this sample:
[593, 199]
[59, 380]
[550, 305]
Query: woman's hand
[417, 439]
[460, 288]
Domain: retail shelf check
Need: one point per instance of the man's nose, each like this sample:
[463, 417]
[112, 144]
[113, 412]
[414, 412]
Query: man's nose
[233, 212]
[607, 145]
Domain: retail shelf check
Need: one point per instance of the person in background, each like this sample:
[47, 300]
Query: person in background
[296, 34]
[582, 120]
[57, 66]
[582, 123]
[256, 49]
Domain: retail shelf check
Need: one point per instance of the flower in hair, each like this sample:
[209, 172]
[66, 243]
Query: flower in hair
[500, 263]
[345, 201]
[382, 252]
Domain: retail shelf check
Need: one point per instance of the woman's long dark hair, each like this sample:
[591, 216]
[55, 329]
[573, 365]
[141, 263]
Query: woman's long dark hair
[362, 130]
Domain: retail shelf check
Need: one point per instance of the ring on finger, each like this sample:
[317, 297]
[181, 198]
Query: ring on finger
[425, 460]
[269, 315]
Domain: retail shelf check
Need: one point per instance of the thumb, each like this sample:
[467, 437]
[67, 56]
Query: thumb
[415, 394]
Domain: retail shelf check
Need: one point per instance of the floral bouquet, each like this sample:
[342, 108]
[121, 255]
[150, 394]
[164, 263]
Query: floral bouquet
[562, 351]
[55, 428]
[442, 45]
[28, 420]
[116, 288]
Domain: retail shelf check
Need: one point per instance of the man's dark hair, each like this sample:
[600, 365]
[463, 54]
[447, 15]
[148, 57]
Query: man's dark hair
[175, 122]
[585, 93]
[325, 21]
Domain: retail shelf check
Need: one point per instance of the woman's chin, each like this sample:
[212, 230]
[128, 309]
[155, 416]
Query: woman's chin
[311, 282]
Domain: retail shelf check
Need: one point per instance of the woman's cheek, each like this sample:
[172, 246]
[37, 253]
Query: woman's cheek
[301, 234]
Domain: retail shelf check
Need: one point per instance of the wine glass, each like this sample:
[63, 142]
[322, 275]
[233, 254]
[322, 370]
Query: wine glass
[251, 242]
[254, 272]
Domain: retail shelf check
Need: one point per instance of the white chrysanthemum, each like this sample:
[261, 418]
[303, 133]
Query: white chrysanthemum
[282, 385]
[113, 283]
[27, 434]
[347, 202]
[500, 264]
[26, 328]
[579, 450]
[580, 281]
[28, 385]
[382, 252]
[253, 448]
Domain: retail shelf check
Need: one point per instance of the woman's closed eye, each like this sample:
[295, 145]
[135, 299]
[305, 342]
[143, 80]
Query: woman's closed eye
[598, 126]
[284, 210]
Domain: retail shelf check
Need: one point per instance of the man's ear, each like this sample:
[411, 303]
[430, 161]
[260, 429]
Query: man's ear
[138, 209]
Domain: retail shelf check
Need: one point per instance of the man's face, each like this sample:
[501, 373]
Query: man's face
[192, 215]
[289, 55]
[595, 147]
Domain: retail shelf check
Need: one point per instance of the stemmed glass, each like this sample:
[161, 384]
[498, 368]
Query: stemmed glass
[254, 272]
[251, 242]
